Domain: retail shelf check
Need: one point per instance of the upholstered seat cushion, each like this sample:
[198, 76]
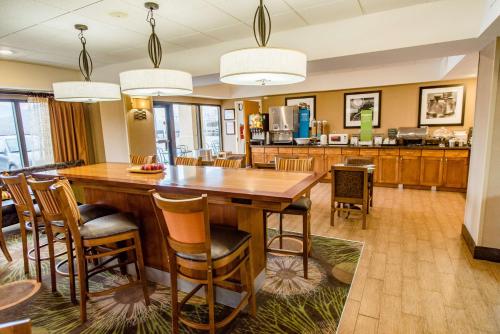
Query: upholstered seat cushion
[224, 242]
[303, 204]
[108, 226]
[90, 212]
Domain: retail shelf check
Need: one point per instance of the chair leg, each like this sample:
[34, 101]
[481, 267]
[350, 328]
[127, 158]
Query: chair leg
[140, 262]
[36, 244]
[364, 219]
[174, 292]
[71, 267]
[332, 214]
[211, 303]
[281, 230]
[24, 239]
[82, 278]
[52, 260]
[3, 246]
[264, 218]
[305, 244]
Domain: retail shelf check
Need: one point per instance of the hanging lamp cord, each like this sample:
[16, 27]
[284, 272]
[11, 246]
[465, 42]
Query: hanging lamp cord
[154, 45]
[262, 25]
[84, 60]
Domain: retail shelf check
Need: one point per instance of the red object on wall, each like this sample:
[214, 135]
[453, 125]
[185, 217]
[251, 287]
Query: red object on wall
[242, 131]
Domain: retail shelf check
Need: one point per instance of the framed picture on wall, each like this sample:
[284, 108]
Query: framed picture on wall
[441, 105]
[354, 103]
[228, 114]
[230, 128]
[310, 101]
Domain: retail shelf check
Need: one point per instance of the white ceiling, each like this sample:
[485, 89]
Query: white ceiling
[41, 31]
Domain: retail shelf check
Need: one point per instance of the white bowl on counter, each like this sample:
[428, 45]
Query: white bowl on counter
[301, 141]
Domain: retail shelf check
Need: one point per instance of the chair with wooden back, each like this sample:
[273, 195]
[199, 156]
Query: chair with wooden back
[29, 219]
[349, 186]
[187, 161]
[137, 159]
[301, 207]
[118, 229]
[227, 163]
[3, 243]
[364, 161]
[205, 255]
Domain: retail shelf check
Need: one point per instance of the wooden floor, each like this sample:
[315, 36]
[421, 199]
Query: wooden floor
[415, 274]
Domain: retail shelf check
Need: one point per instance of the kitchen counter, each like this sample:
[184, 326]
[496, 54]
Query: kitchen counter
[423, 147]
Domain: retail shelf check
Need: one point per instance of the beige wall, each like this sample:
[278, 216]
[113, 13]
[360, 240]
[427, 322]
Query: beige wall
[114, 129]
[141, 133]
[399, 105]
[24, 76]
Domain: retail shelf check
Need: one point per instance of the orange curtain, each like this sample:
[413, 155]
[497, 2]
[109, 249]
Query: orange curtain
[67, 124]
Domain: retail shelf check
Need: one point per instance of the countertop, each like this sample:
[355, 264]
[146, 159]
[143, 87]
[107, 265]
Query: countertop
[426, 147]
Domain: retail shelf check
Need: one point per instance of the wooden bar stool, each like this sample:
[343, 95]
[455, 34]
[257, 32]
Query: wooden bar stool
[119, 229]
[301, 207]
[53, 216]
[29, 219]
[186, 161]
[203, 254]
[137, 159]
[3, 243]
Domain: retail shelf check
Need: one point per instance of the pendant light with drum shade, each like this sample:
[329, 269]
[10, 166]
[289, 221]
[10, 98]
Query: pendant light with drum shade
[155, 81]
[263, 65]
[85, 91]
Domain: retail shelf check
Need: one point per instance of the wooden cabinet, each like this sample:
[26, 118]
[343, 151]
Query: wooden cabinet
[373, 154]
[258, 155]
[271, 153]
[456, 169]
[300, 152]
[318, 155]
[388, 162]
[333, 156]
[431, 168]
[409, 166]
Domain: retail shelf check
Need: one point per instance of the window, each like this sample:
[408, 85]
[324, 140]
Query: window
[183, 128]
[25, 138]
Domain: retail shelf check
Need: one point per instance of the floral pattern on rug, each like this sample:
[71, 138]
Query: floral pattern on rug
[287, 303]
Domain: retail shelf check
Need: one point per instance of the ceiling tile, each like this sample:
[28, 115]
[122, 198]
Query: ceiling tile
[231, 32]
[194, 40]
[372, 6]
[68, 5]
[333, 11]
[244, 10]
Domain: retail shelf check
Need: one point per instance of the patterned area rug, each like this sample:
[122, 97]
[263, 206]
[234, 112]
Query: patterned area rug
[287, 303]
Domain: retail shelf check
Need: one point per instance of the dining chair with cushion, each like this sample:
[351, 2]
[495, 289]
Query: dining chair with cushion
[204, 254]
[301, 207]
[3, 243]
[137, 159]
[364, 161]
[187, 161]
[227, 163]
[350, 188]
[52, 216]
[118, 229]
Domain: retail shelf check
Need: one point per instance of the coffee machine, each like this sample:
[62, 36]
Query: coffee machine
[283, 121]
[259, 128]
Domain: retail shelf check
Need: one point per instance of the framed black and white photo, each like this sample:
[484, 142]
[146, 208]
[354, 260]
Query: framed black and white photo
[310, 101]
[441, 105]
[230, 128]
[354, 103]
[228, 114]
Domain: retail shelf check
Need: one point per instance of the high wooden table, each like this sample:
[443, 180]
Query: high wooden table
[237, 197]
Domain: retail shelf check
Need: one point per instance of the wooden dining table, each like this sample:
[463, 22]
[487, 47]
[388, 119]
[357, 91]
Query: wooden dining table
[237, 197]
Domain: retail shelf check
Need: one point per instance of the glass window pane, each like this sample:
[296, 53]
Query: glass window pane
[161, 129]
[10, 155]
[36, 125]
[211, 128]
[186, 128]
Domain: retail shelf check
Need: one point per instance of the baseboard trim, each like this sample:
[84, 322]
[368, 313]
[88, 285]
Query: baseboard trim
[480, 252]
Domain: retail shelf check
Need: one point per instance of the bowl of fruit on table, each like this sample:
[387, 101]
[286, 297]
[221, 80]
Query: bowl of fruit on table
[147, 168]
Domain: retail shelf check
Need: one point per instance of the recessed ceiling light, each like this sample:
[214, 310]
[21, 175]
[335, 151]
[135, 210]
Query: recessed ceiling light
[6, 52]
[118, 14]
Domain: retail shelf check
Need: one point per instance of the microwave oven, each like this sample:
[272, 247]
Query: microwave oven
[338, 139]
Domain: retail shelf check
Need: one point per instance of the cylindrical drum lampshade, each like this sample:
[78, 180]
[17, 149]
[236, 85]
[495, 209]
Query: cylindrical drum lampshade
[156, 82]
[86, 91]
[263, 66]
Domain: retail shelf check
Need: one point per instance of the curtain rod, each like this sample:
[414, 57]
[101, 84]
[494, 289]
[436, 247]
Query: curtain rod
[26, 92]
